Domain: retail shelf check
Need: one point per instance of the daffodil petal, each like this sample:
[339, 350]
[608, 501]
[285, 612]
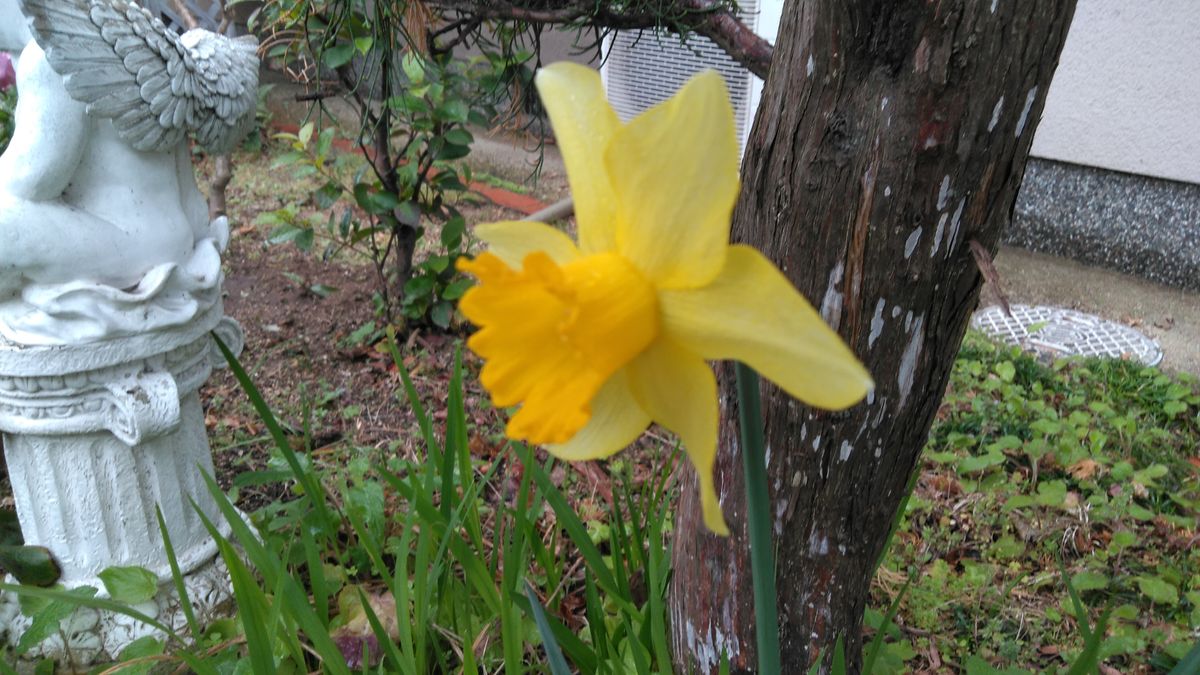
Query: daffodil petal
[512, 240]
[583, 125]
[617, 420]
[679, 392]
[674, 170]
[753, 314]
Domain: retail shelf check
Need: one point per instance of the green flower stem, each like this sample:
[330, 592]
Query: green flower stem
[758, 508]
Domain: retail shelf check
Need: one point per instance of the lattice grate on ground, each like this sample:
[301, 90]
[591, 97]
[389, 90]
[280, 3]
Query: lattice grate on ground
[1066, 332]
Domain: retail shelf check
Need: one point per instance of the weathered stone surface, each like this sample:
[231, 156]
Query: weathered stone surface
[110, 291]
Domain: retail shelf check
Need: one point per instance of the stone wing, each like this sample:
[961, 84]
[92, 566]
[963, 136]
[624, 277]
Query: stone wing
[155, 85]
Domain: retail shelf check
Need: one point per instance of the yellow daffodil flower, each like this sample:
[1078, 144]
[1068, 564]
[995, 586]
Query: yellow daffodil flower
[597, 339]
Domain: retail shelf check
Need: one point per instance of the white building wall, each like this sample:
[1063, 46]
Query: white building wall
[1126, 95]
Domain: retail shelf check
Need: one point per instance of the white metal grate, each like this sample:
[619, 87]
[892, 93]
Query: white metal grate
[1065, 332]
[645, 68]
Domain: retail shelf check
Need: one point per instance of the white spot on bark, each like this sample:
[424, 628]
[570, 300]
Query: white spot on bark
[943, 193]
[796, 479]
[803, 431]
[911, 244]
[908, 360]
[994, 4]
[831, 306]
[844, 452]
[709, 649]
[930, 141]
[1029, 99]
[883, 103]
[954, 223]
[818, 544]
[812, 65]
[996, 110]
[877, 322]
[780, 509]
[767, 456]
[887, 190]
[878, 451]
[870, 398]
[896, 311]
[817, 443]
[937, 234]
[908, 322]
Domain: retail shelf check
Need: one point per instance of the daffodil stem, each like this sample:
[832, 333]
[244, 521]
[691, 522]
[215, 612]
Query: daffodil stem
[758, 508]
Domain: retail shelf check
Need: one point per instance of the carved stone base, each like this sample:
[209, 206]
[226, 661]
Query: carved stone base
[92, 636]
[99, 438]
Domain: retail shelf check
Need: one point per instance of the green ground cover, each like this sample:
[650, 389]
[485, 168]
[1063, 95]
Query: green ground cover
[1091, 463]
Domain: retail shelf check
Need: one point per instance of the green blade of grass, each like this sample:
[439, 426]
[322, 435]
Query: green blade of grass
[410, 392]
[838, 667]
[252, 610]
[554, 655]
[1081, 614]
[1089, 659]
[185, 601]
[312, 487]
[316, 574]
[582, 655]
[1190, 663]
[93, 603]
[657, 575]
[876, 647]
[381, 635]
[569, 520]
[594, 610]
[273, 572]
[401, 593]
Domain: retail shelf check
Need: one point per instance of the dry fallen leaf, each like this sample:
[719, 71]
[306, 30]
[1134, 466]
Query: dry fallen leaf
[1084, 469]
[355, 638]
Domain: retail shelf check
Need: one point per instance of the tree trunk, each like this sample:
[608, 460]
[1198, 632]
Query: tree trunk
[891, 134]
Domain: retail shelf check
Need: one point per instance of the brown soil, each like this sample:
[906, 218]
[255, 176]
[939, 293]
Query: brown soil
[299, 350]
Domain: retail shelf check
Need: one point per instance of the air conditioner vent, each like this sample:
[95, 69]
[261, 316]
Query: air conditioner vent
[646, 68]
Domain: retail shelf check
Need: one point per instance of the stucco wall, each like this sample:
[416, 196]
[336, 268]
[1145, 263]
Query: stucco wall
[1126, 95]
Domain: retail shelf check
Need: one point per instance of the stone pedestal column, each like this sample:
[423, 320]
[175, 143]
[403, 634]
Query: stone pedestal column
[97, 437]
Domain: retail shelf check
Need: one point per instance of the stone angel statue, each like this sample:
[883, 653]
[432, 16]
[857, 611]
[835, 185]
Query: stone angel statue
[103, 231]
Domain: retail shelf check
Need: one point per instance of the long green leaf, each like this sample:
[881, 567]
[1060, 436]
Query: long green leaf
[381, 635]
[312, 487]
[896, 520]
[571, 523]
[410, 391]
[554, 655]
[1189, 664]
[93, 603]
[758, 513]
[252, 608]
[185, 600]
[877, 642]
[271, 567]
[1089, 659]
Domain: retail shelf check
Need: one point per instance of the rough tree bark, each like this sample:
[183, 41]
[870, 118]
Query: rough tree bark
[891, 134]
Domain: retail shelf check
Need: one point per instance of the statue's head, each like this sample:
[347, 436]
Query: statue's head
[14, 32]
